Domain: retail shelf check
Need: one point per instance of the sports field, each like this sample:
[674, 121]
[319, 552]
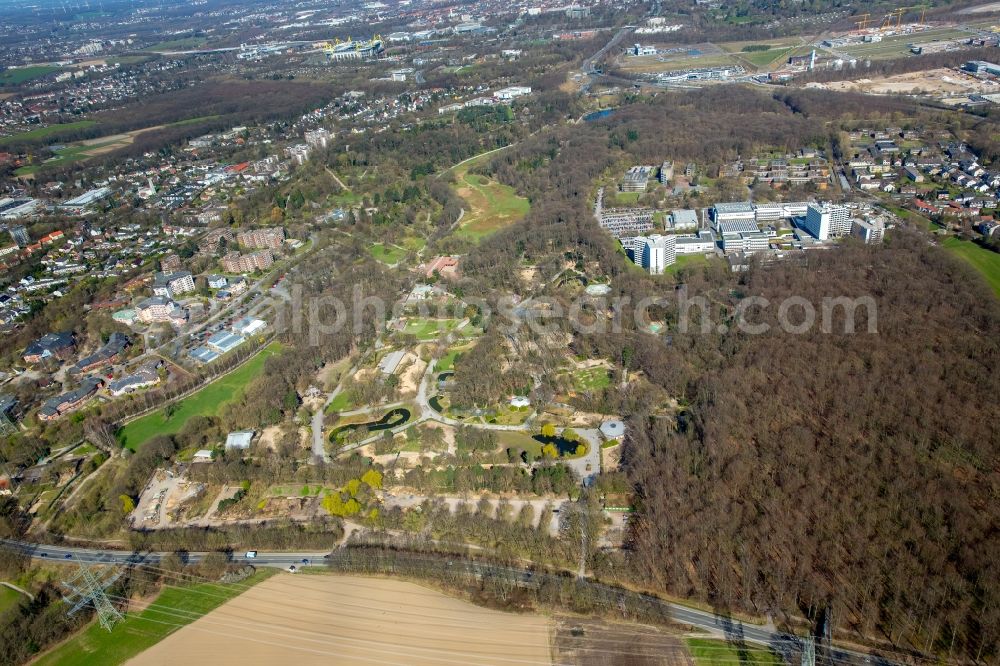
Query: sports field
[347, 620]
[985, 261]
[205, 402]
[490, 205]
[172, 609]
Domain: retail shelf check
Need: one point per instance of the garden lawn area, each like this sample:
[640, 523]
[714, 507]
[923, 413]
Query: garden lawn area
[519, 440]
[985, 261]
[205, 402]
[490, 205]
[710, 651]
[591, 379]
[447, 362]
[9, 598]
[627, 198]
[13, 77]
[686, 261]
[415, 243]
[45, 132]
[341, 402]
[173, 607]
[387, 254]
[429, 329]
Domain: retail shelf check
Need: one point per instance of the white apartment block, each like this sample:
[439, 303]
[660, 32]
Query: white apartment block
[827, 220]
[870, 231]
[658, 252]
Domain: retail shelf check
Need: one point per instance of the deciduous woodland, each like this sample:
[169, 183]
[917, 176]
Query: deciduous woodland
[852, 473]
[836, 470]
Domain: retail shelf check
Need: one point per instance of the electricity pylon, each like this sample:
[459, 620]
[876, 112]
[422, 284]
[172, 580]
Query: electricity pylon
[87, 587]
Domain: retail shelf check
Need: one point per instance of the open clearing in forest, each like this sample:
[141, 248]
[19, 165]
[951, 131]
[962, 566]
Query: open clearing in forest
[346, 620]
[491, 205]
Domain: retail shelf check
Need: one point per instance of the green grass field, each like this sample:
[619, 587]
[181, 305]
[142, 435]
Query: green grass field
[184, 44]
[447, 362]
[340, 403]
[519, 440]
[45, 132]
[764, 58]
[387, 254]
[591, 379]
[899, 45]
[491, 205]
[429, 329]
[15, 77]
[9, 598]
[205, 402]
[712, 652]
[985, 261]
[63, 156]
[686, 261]
[173, 608]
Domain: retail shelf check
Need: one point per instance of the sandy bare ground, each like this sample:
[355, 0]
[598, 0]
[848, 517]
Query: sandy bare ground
[610, 458]
[981, 9]
[347, 620]
[409, 379]
[934, 81]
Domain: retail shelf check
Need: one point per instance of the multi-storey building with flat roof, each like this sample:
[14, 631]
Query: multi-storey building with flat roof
[173, 284]
[234, 262]
[657, 252]
[870, 231]
[636, 179]
[269, 238]
[740, 211]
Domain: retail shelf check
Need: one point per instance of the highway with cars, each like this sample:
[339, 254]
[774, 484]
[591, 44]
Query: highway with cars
[720, 625]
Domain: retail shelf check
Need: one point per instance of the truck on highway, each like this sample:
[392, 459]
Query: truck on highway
[251, 554]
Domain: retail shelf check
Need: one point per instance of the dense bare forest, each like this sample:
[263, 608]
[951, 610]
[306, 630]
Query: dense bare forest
[807, 473]
[844, 471]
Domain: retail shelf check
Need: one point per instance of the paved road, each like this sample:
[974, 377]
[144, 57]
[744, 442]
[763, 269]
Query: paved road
[100, 556]
[705, 620]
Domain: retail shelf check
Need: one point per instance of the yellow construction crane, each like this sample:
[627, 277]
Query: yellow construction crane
[895, 15]
[862, 21]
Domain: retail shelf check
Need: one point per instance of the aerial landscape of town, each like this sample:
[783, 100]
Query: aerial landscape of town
[617, 332]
